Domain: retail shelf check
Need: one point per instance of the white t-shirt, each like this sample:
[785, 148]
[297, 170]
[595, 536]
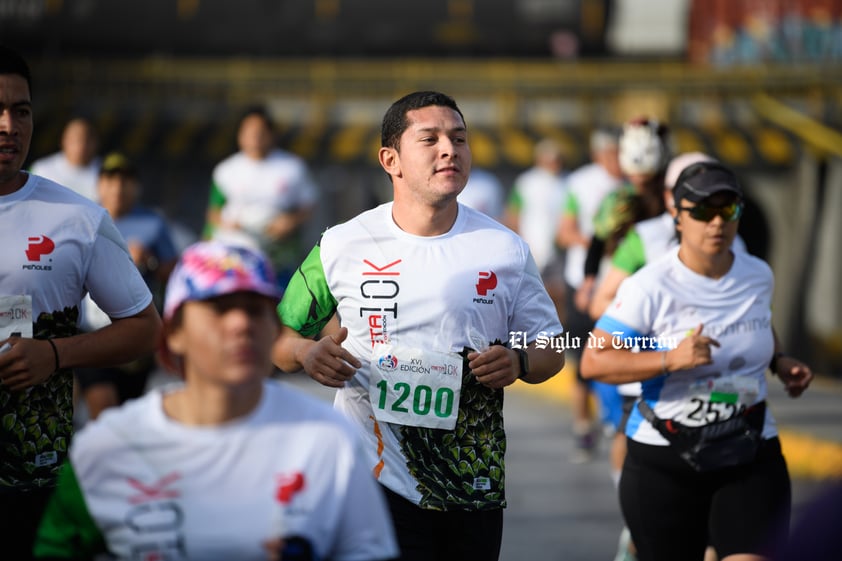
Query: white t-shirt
[469, 287]
[587, 186]
[665, 301]
[657, 237]
[540, 196]
[82, 179]
[255, 191]
[154, 485]
[57, 245]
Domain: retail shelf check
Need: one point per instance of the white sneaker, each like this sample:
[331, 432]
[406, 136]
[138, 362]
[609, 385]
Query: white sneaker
[623, 553]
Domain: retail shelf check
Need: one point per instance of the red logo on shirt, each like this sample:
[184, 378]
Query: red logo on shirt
[38, 247]
[487, 281]
[156, 491]
[288, 486]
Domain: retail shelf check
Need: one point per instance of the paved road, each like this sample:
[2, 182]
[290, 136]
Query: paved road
[557, 510]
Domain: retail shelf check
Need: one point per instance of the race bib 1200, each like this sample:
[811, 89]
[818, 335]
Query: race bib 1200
[415, 387]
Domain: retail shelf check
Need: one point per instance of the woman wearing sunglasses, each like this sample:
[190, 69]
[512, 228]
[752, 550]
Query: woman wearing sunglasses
[645, 242]
[704, 463]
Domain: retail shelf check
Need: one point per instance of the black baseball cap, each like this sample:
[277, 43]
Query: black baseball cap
[117, 162]
[699, 181]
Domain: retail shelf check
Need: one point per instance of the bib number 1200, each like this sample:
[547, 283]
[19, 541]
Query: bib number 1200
[423, 399]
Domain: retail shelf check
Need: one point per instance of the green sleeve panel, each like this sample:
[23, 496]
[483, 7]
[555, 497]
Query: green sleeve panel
[629, 256]
[217, 197]
[216, 201]
[571, 205]
[67, 530]
[515, 201]
[307, 304]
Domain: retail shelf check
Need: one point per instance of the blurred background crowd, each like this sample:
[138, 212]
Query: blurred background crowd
[756, 84]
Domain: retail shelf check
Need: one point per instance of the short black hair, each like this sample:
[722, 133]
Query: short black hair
[11, 62]
[395, 121]
[257, 111]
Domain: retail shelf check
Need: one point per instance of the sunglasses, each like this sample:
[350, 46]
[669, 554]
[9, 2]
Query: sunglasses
[705, 213]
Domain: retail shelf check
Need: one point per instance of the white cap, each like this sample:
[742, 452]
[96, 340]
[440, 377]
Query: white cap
[677, 165]
[642, 150]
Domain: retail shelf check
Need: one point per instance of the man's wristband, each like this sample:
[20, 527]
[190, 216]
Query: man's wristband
[55, 355]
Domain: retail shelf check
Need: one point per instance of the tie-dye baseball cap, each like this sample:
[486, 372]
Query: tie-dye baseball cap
[212, 268]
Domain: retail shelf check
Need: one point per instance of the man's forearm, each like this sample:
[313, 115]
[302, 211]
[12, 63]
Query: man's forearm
[124, 340]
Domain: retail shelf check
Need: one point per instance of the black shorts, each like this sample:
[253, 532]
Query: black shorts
[674, 512]
[445, 535]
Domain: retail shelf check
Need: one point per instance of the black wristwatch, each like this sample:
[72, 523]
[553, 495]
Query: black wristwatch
[523, 360]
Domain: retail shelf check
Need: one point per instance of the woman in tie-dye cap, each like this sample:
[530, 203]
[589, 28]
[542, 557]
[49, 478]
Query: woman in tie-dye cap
[226, 464]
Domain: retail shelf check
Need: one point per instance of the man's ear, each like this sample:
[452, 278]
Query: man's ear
[389, 160]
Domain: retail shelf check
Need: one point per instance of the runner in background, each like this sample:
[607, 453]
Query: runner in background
[587, 187]
[704, 463]
[76, 165]
[647, 241]
[153, 252]
[534, 209]
[643, 156]
[227, 465]
[262, 196]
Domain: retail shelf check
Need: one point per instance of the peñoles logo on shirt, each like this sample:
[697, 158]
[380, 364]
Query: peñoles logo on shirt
[289, 485]
[39, 246]
[487, 281]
